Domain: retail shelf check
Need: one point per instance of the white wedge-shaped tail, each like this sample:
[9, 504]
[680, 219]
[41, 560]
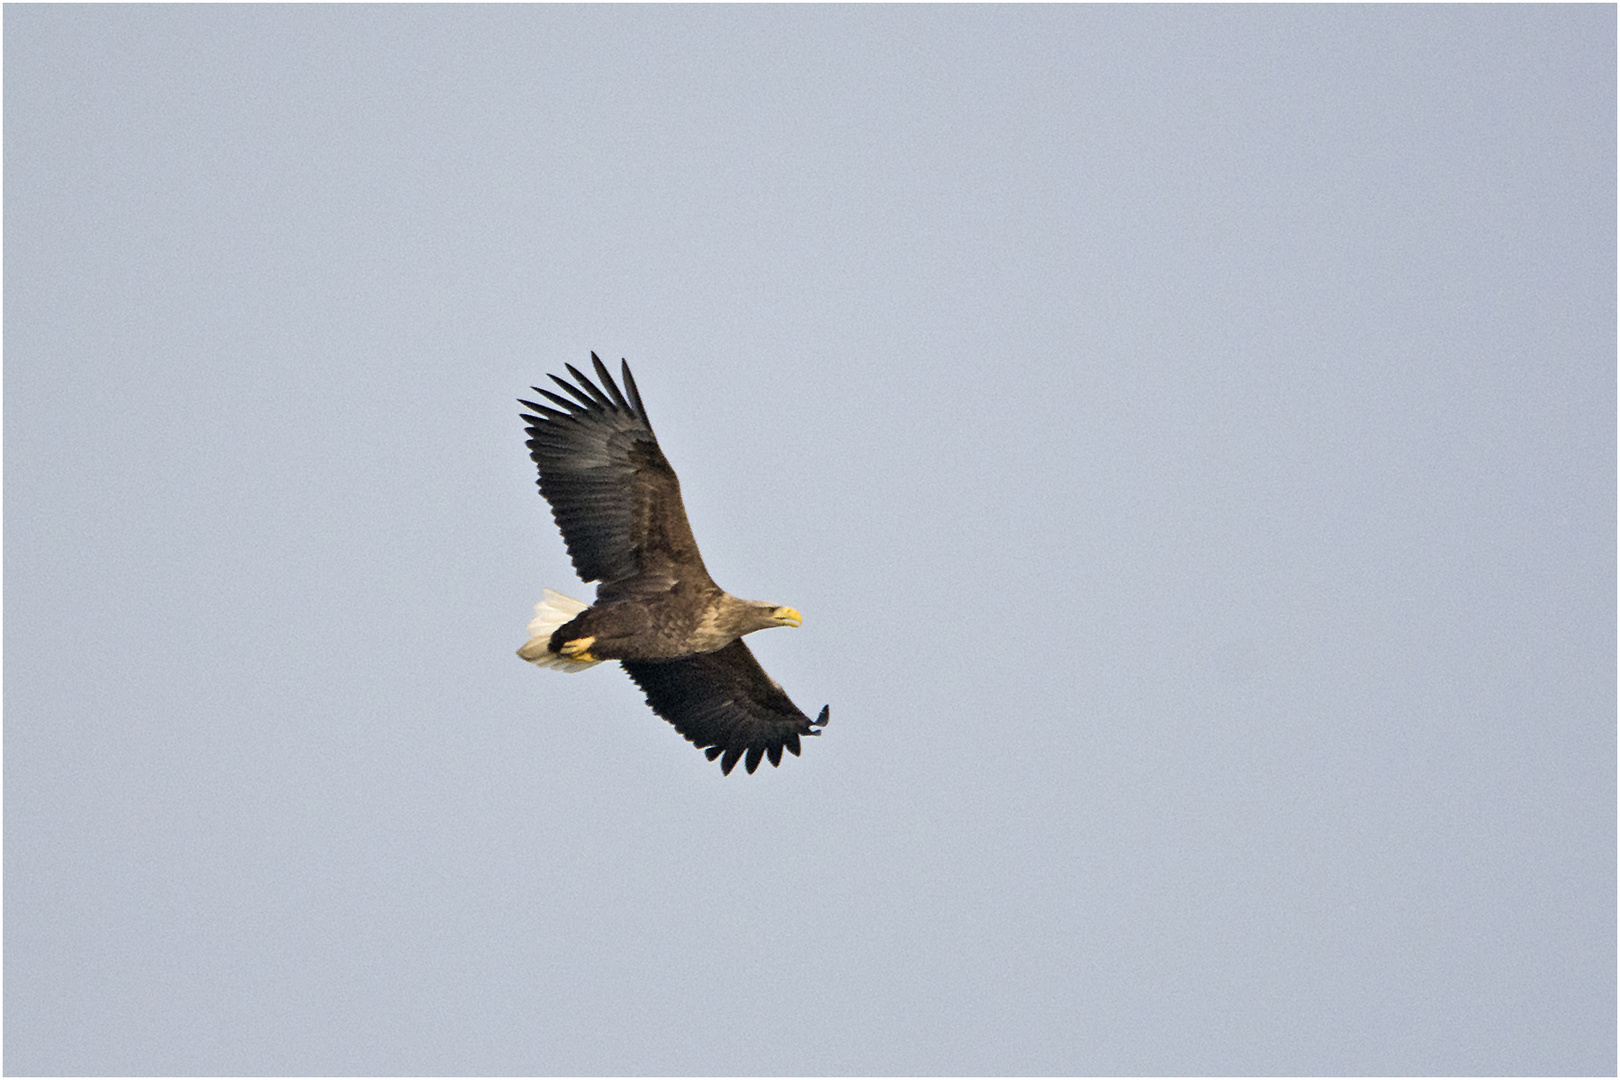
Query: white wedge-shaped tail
[549, 614]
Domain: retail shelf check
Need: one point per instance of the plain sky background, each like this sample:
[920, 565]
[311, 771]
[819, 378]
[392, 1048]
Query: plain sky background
[1188, 432]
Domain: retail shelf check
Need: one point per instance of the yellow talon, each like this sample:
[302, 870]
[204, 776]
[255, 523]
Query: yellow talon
[578, 650]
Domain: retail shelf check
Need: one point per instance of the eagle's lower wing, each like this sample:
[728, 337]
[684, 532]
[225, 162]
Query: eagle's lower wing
[611, 490]
[725, 705]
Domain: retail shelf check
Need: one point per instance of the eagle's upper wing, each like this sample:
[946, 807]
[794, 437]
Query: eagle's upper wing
[725, 704]
[612, 492]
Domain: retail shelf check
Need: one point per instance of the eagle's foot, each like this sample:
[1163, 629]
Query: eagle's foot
[578, 650]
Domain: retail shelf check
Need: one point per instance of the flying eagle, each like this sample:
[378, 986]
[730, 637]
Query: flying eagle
[657, 611]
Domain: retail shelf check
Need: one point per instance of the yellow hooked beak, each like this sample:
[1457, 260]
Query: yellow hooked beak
[787, 616]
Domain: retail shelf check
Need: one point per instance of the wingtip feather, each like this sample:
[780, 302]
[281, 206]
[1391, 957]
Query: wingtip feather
[579, 395]
[635, 395]
[609, 385]
[591, 388]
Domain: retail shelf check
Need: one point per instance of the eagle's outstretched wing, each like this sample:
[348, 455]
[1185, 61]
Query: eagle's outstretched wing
[725, 705]
[612, 492]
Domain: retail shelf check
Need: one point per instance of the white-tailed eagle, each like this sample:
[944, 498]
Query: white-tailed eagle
[657, 611]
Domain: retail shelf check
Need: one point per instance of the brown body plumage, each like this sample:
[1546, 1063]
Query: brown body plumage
[657, 611]
[686, 618]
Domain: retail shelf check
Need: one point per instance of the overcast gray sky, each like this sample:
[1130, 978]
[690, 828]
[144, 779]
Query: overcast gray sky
[1189, 434]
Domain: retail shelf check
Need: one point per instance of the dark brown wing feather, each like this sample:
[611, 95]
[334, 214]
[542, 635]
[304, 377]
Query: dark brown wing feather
[725, 705]
[612, 493]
